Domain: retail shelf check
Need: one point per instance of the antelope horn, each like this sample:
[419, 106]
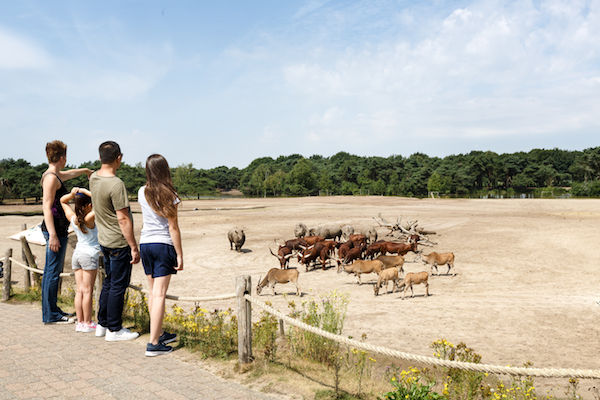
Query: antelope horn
[288, 256]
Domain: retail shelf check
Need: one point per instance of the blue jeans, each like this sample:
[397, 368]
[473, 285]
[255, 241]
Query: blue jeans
[52, 270]
[117, 265]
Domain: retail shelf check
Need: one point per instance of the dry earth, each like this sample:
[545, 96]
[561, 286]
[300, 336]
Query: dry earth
[525, 290]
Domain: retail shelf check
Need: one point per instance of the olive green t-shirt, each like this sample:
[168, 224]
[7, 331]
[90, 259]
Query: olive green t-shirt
[108, 196]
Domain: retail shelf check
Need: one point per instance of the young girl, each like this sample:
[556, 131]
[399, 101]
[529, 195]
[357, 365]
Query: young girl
[85, 256]
[160, 246]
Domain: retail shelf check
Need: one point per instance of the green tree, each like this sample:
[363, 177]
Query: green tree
[304, 177]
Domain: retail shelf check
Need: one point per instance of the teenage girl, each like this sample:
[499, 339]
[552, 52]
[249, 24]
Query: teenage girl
[86, 254]
[160, 246]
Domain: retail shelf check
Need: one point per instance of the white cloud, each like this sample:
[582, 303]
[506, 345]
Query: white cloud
[17, 52]
[485, 70]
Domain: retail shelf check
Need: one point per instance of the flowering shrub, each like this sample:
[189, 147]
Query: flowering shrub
[407, 386]
[136, 309]
[213, 334]
[360, 363]
[459, 383]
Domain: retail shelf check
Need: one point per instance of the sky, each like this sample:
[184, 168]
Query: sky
[224, 82]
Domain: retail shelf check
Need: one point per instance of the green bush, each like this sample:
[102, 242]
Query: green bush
[329, 314]
[264, 333]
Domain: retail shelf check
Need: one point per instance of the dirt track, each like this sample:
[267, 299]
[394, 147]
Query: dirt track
[525, 290]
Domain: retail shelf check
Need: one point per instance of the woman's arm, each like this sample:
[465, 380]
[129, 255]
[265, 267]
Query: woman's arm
[176, 237]
[64, 202]
[74, 173]
[49, 187]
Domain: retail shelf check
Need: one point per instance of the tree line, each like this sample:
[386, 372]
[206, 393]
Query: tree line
[475, 174]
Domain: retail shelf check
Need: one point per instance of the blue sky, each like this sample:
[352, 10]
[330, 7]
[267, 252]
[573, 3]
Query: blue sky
[222, 83]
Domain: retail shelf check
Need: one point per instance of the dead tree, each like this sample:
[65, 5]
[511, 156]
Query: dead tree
[406, 231]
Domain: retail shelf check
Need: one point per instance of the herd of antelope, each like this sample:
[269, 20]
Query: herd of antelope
[355, 251]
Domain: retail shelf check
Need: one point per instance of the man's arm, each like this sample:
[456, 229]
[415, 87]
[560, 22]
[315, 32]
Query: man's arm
[126, 226]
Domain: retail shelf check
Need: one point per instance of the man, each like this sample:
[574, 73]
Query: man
[118, 245]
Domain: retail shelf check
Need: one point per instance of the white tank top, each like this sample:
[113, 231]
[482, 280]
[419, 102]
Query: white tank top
[155, 229]
[88, 241]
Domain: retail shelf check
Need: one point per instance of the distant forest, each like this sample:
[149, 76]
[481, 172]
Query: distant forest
[536, 173]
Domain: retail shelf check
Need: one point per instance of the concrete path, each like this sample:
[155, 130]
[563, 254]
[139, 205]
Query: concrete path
[40, 361]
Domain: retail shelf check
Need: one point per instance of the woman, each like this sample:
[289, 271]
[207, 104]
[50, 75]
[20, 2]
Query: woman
[55, 227]
[160, 246]
[86, 255]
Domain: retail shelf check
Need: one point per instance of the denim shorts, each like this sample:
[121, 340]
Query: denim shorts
[87, 261]
[159, 259]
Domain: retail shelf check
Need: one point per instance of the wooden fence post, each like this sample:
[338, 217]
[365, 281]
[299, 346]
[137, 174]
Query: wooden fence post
[281, 330]
[243, 285]
[31, 261]
[26, 274]
[7, 276]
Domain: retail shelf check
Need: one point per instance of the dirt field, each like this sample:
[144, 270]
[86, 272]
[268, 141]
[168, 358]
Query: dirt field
[527, 271]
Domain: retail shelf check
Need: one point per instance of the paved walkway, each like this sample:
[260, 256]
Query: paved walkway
[38, 361]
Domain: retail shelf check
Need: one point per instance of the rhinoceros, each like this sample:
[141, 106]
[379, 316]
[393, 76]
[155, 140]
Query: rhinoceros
[236, 237]
[300, 230]
[330, 231]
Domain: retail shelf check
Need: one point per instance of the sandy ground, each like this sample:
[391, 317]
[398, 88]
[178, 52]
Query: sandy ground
[527, 271]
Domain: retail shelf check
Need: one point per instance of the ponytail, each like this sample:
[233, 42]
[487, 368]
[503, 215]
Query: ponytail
[81, 201]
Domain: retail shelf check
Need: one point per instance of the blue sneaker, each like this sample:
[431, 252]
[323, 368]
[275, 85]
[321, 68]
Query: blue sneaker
[167, 337]
[153, 350]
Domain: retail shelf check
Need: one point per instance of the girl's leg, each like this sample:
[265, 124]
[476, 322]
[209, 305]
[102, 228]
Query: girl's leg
[151, 286]
[87, 288]
[79, 295]
[157, 312]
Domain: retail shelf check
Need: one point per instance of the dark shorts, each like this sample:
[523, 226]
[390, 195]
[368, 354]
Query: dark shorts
[159, 259]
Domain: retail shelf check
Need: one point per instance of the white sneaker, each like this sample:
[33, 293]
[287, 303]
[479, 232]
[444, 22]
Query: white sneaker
[123, 334]
[79, 327]
[100, 330]
[87, 328]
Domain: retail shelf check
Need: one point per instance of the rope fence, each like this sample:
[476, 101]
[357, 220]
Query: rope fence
[183, 298]
[244, 299]
[493, 369]
[38, 271]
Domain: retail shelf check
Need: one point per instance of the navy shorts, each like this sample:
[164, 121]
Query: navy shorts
[158, 259]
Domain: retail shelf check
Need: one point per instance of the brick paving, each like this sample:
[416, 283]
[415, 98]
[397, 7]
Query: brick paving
[40, 361]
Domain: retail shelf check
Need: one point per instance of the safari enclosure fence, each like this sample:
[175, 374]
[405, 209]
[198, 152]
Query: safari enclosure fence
[245, 300]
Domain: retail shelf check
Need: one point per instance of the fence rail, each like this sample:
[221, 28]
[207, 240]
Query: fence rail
[37, 270]
[184, 298]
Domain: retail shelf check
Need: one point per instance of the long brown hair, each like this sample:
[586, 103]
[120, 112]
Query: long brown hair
[160, 193]
[81, 201]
